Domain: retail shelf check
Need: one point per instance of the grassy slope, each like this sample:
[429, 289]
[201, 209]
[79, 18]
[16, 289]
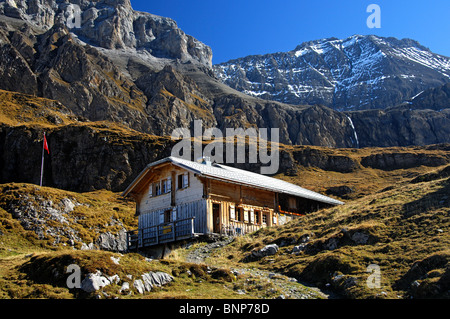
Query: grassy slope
[36, 268]
[404, 225]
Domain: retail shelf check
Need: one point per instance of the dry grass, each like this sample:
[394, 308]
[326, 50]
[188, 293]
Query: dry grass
[18, 109]
[403, 226]
[95, 211]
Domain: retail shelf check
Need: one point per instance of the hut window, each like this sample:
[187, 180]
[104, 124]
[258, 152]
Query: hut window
[292, 203]
[168, 216]
[166, 185]
[264, 218]
[257, 217]
[157, 188]
[240, 214]
[183, 181]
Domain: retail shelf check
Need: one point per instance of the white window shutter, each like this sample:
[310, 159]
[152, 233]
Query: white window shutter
[245, 215]
[185, 180]
[252, 215]
[232, 212]
[150, 191]
[174, 214]
[169, 185]
[161, 217]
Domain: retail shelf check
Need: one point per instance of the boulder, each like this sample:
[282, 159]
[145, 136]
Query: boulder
[157, 279]
[150, 280]
[125, 288]
[115, 279]
[341, 191]
[297, 249]
[360, 238]
[94, 281]
[111, 242]
[139, 285]
[147, 281]
[265, 251]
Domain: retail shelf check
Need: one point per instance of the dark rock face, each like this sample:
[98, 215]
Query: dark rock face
[313, 125]
[392, 161]
[360, 72]
[82, 158]
[309, 157]
[434, 99]
[401, 126]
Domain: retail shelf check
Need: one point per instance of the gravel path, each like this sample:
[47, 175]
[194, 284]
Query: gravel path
[289, 287]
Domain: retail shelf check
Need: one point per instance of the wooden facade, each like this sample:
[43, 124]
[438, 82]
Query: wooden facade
[166, 193]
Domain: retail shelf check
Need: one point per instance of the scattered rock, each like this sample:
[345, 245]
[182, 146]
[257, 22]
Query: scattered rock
[90, 246]
[297, 249]
[94, 282]
[268, 250]
[360, 238]
[125, 288]
[67, 205]
[115, 279]
[139, 285]
[115, 260]
[111, 242]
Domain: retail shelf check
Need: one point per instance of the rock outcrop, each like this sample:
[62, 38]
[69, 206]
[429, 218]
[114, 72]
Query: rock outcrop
[82, 158]
[401, 126]
[112, 24]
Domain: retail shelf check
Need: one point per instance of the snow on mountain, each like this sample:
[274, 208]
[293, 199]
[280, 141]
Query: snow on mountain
[360, 72]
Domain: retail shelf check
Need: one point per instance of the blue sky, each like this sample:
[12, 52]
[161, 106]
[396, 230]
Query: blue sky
[236, 29]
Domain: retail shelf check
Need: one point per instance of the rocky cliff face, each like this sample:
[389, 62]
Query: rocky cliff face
[112, 24]
[82, 158]
[401, 126]
[150, 97]
[360, 72]
[437, 98]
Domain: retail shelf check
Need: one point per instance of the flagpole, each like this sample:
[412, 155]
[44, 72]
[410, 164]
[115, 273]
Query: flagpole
[42, 162]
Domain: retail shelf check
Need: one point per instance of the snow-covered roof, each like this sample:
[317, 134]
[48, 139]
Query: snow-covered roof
[239, 176]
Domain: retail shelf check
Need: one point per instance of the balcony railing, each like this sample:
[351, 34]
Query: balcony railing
[159, 234]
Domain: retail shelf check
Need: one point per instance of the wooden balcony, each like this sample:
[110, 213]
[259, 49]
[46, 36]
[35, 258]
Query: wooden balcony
[163, 233]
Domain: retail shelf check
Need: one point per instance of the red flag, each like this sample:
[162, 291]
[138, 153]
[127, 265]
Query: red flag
[46, 145]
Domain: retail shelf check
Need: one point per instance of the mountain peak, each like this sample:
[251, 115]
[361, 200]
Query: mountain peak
[358, 72]
[113, 24]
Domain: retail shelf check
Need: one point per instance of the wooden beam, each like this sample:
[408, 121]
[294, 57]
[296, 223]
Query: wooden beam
[277, 202]
[173, 189]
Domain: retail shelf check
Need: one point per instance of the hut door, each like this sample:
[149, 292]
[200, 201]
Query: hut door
[216, 218]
